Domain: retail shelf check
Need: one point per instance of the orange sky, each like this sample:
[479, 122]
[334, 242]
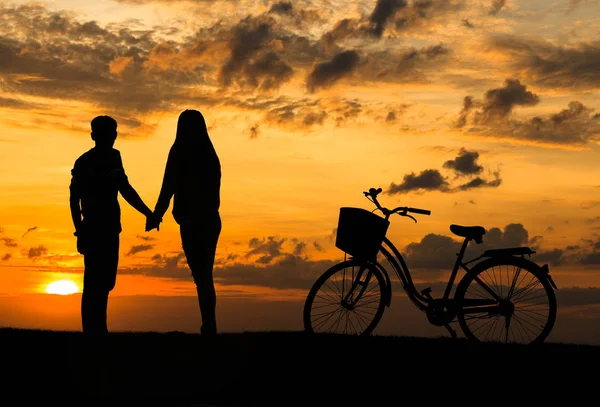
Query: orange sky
[353, 97]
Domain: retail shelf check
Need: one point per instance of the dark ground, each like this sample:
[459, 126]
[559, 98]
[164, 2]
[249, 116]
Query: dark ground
[271, 368]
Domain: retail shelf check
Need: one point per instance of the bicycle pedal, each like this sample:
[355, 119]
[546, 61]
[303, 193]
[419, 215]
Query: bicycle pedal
[427, 293]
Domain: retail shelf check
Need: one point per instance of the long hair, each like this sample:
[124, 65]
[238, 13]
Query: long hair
[192, 138]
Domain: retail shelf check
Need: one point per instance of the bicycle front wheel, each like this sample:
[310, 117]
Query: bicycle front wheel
[506, 300]
[347, 299]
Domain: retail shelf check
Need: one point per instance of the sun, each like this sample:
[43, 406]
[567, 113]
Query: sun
[62, 287]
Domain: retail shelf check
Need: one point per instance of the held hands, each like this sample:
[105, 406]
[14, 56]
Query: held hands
[153, 222]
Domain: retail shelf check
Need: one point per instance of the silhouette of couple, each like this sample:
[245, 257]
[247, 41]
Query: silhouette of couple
[192, 177]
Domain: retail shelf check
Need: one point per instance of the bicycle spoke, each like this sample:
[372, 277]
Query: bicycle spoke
[347, 301]
[524, 309]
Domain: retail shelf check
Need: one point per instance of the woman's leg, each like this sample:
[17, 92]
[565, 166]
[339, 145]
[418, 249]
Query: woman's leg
[199, 241]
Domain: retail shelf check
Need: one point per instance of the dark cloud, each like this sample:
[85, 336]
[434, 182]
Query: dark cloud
[139, 248]
[467, 23]
[299, 249]
[146, 238]
[383, 12]
[479, 182]
[432, 252]
[498, 103]
[289, 272]
[13, 103]
[266, 250]
[254, 131]
[6, 257]
[412, 65]
[282, 7]
[349, 109]
[428, 180]
[595, 219]
[552, 66]
[464, 165]
[251, 63]
[438, 252]
[37, 252]
[303, 113]
[492, 117]
[325, 74]
[496, 6]
[51, 54]
[273, 266]
[29, 230]
[9, 242]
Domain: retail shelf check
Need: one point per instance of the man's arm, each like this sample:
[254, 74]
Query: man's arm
[74, 201]
[128, 192]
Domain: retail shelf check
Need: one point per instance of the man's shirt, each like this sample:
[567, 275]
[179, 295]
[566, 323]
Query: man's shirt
[96, 179]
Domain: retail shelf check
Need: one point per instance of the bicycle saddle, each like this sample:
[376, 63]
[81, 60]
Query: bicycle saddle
[470, 232]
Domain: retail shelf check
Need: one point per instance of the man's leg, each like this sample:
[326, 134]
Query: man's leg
[99, 279]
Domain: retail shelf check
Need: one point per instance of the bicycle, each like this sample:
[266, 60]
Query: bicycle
[503, 286]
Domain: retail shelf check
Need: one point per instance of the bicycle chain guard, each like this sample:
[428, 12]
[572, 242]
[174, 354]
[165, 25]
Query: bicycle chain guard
[440, 312]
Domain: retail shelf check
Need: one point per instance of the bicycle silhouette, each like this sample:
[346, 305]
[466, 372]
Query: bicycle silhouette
[505, 297]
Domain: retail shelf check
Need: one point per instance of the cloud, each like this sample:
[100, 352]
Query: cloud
[38, 251]
[29, 230]
[13, 103]
[384, 10]
[438, 252]
[146, 238]
[498, 103]
[282, 7]
[139, 248]
[549, 65]
[394, 17]
[464, 165]
[493, 117]
[496, 6]
[266, 250]
[251, 63]
[6, 257]
[8, 242]
[325, 74]
[468, 23]
[409, 65]
[428, 180]
[254, 131]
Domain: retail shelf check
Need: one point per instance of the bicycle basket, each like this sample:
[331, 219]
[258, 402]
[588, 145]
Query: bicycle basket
[360, 233]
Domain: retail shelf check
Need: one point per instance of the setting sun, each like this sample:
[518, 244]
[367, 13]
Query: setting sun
[62, 287]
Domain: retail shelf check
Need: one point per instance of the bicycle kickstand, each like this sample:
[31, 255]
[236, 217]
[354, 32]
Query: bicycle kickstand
[452, 331]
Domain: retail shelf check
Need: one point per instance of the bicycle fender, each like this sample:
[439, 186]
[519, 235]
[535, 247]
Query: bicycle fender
[546, 272]
[388, 285]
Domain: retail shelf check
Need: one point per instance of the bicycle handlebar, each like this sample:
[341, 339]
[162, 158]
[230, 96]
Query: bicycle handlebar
[401, 210]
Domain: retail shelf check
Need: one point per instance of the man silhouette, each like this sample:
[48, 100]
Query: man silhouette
[97, 178]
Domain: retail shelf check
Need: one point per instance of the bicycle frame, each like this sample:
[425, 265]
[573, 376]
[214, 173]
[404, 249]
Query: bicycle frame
[402, 271]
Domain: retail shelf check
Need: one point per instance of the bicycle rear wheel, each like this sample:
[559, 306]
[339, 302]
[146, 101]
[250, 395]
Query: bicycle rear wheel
[347, 299]
[506, 300]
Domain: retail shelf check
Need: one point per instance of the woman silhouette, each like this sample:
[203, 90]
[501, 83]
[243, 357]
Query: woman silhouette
[193, 177]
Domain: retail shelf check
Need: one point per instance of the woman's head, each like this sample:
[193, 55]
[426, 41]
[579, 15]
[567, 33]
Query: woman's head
[191, 128]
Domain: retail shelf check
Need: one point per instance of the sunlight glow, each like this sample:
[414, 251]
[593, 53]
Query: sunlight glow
[62, 287]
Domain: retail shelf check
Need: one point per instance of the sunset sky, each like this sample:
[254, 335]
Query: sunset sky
[485, 112]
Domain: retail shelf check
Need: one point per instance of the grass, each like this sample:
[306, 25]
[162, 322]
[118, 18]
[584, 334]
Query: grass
[285, 368]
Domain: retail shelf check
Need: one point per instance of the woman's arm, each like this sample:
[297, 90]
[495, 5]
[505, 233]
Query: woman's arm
[168, 187]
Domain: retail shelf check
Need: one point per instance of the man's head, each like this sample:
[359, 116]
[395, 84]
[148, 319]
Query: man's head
[104, 131]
